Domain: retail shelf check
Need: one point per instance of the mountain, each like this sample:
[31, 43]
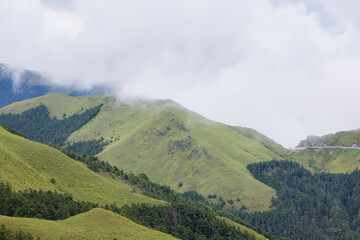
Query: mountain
[169, 143]
[95, 224]
[28, 86]
[26, 164]
[21, 84]
[343, 139]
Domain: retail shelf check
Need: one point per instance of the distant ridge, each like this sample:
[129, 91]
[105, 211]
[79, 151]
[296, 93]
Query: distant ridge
[18, 85]
[342, 139]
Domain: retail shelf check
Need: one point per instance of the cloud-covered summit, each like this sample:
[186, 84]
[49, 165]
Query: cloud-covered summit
[286, 68]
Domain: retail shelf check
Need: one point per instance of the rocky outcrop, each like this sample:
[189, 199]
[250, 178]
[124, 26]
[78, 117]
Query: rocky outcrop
[312, 141]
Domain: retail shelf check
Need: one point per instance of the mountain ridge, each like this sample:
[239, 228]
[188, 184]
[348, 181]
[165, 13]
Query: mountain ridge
[21, 84]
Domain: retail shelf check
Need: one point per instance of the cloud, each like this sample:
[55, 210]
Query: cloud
[285, 68]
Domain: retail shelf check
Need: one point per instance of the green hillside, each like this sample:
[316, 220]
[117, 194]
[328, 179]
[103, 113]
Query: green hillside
[26, 164]
[333, 160]
[171, 144]
[95, 224]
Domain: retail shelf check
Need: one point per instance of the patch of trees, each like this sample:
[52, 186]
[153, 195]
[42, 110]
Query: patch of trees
[37, 125]
[319, 206]
[7, 234]
[182, 220]
[40, 204]
[91, 147]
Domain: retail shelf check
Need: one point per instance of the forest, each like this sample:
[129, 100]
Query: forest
[39, 204]
[37, 125]
[309, 206]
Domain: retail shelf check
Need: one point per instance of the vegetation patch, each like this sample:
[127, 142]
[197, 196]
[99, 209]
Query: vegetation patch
[91, 147]
[40, 204]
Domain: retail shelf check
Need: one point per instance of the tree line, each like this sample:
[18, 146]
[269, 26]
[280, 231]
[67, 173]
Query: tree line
[36, 125]
[40, 204]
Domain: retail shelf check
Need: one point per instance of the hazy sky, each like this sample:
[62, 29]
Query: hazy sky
[285, 68]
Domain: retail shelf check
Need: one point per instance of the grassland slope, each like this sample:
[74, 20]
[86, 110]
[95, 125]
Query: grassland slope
[171, 144]
[26, 164]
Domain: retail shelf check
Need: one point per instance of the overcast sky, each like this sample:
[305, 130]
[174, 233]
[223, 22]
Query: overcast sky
[285, 68]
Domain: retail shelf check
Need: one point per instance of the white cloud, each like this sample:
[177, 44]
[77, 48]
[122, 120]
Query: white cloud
[285, 68]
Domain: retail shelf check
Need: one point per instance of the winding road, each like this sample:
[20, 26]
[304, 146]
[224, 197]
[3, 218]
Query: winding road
[330, 147]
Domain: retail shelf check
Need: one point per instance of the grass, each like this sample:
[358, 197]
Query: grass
[346, 138]
[243, 228]
[335, 160]
[95, 224]
[26, 164]
[133, 128]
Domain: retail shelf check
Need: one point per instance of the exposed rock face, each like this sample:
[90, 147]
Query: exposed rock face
[312, 141]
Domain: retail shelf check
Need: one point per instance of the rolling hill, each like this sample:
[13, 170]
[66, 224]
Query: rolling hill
[171, 144]
[95, 224]
[27, 164]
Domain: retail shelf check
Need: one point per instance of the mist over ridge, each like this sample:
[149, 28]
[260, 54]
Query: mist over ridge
[286, 68]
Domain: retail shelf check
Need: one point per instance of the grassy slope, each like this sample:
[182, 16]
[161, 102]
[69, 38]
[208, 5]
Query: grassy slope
[26, 164]
[243, 228]
[138, 147]
[327, 160]
[95, 224]
[346, 138]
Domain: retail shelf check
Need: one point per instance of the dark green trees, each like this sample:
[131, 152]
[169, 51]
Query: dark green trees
[319, 206]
